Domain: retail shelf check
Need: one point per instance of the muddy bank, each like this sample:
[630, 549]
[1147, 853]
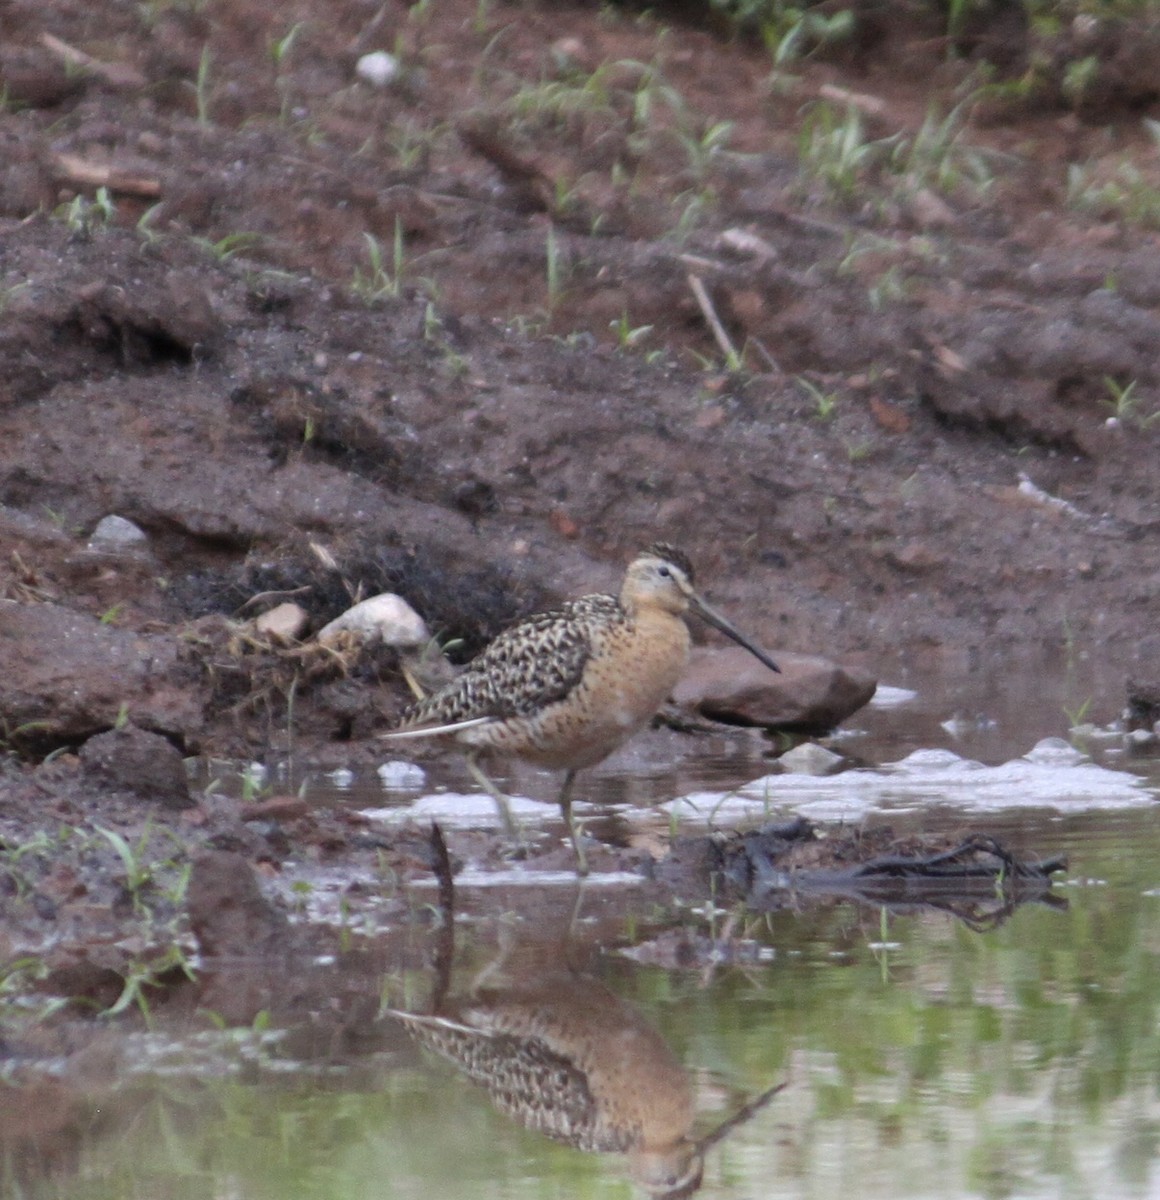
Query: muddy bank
[566, 283]
[937, 446]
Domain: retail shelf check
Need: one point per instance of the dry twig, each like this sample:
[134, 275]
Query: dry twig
[701, 295]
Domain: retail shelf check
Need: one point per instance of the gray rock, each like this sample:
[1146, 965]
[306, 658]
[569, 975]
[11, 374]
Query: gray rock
[1141, 741]
[116, 533]
[810, 695]
[137, 761]
[810, 759]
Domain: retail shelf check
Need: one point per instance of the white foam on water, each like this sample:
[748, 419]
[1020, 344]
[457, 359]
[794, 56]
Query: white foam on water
[474, 810]
[1052, 775]
[886, 696]
[517, 876]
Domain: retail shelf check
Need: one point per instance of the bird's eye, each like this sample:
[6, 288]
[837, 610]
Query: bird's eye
[664, 572]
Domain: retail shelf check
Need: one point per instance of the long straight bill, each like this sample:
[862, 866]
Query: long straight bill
[715, 619]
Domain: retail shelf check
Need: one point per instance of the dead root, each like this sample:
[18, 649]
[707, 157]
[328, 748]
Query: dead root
[973, 877]
[250, 672]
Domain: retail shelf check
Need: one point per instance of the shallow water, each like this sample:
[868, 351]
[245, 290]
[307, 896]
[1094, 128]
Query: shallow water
[923, 1055]
[921, 1058]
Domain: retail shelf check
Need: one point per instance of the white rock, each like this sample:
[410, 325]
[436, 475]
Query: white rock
[285, 622]
[116, 533]
[745, 242]
[1088, 732]
[378, 68]
[471, 810]
[810, 759]
[387, 619]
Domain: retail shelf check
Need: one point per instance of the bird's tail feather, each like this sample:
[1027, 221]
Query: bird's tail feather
[422, 731]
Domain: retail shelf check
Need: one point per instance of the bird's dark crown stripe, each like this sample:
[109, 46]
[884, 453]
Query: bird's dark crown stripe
[671, 554]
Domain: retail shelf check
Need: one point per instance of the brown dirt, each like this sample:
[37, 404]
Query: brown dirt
[916, 463]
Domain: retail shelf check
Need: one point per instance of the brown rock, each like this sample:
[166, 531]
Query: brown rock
[275, 808]
[134, 760]
[810, 695]
[34, 79]
[284, 623]
[65, 676]
[890, 416]
[227, 912]
[170, 318]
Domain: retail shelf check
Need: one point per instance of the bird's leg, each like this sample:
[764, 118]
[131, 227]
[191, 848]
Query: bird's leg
[565, 802]
[501, 801]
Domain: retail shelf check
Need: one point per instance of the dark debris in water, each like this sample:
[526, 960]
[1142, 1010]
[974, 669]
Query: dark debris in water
[973, 875]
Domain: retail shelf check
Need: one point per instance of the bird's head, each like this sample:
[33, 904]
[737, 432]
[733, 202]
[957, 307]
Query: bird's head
[661, 577]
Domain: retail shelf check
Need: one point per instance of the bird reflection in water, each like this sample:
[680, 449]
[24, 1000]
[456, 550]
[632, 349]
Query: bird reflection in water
[566, 1057]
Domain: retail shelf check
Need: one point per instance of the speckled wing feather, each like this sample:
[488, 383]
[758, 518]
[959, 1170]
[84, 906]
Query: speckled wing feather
[531, 665]
[537, 1086]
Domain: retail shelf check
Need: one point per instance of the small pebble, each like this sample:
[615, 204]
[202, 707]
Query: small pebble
[116, 533]
[378, 68]
[810, 759]
[284, 623]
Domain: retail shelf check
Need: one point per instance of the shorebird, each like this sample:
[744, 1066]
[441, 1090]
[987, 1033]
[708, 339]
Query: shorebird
[567, 1058]
[563, 689]
[563, 1055]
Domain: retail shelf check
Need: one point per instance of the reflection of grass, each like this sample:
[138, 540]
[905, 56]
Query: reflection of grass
[942, 1050]
[153, 876]
[1024, 1057]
